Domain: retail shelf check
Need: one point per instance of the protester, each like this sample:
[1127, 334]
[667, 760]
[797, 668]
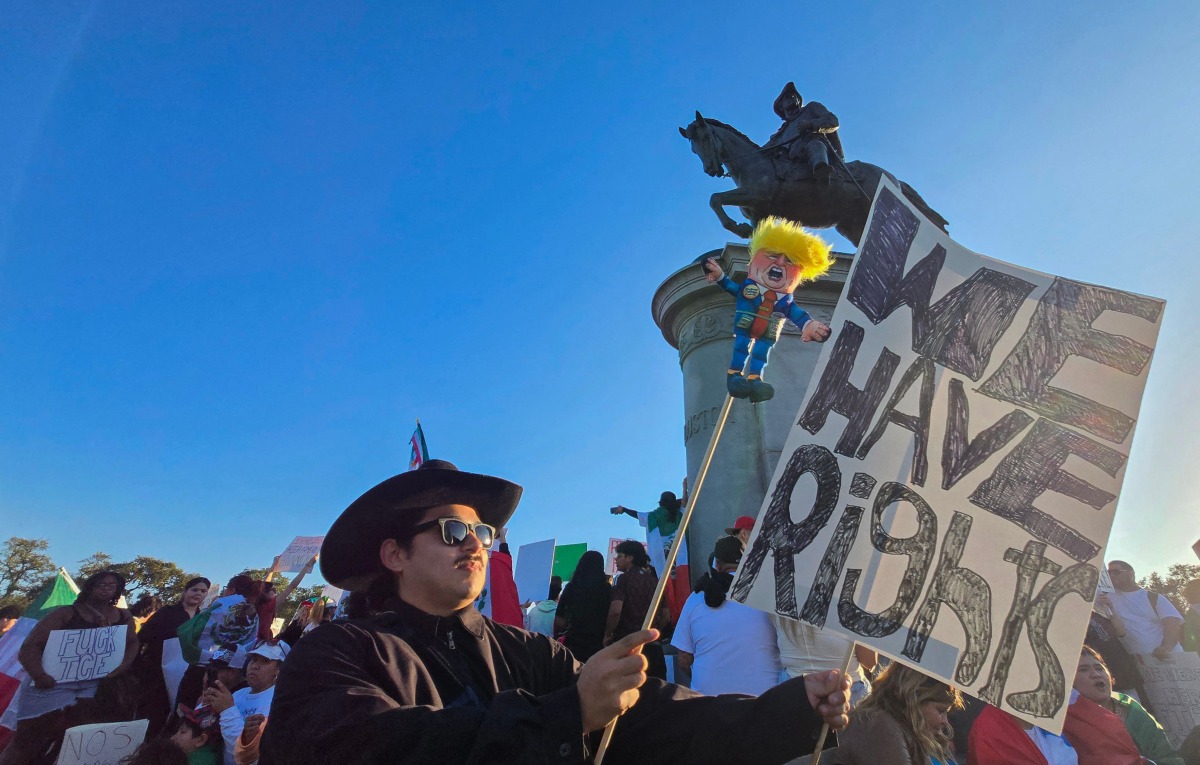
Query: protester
[1191, 618]
[540, 617]
[804, 649]
[998, 738]
[9, 615]
[243, 711]
[199, 735]
[1104, 632]
[741, 529]
[583, 608]
[1150, 622]
[432, 680]
[729, 647]
[902, 722]
[154, 702]
[506, 604]
[271, 600]
[1103, 725]
[46, 707]
[143, 609]
[632, 594]
[231, 619]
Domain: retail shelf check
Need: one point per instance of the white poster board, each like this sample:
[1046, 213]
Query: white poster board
[173, 667]
[101, 743]
[1173, 689]
[948, 486]
[535, 561]
[85, 654]
[297, 555]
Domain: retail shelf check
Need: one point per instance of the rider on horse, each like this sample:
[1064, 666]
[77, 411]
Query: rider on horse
[806, 132]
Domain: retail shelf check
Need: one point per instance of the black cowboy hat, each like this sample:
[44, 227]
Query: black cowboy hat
[350, 553]
[786, 95]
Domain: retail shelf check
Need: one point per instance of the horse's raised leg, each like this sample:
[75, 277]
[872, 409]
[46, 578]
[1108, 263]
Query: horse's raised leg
[732, 198]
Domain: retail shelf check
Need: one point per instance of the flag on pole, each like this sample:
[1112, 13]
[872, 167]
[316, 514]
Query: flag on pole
[419, 452]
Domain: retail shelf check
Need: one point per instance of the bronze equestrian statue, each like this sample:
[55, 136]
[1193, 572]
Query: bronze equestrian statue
[799, 174]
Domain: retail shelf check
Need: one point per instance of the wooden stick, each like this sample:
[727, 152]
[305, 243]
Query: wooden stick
[665, 575]
[816, 758]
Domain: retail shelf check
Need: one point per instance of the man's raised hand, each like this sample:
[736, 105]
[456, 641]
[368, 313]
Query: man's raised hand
[609, 681]
[829, 695]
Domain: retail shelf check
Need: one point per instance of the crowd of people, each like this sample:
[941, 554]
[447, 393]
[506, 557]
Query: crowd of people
[404, 668]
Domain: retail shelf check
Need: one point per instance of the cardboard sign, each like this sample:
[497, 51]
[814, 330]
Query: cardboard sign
[566, 557]
[101, 743]
[1173, 689]
[535, 561]
[297, 555]
[949, 483]
[87, 654]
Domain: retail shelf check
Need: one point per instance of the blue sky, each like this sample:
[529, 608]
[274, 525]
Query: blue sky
[242, 248]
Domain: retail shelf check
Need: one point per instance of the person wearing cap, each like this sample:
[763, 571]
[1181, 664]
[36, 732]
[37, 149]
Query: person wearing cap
[198, 734]
[730, 647]
[741, 529]
[244, 712]
[427, 678]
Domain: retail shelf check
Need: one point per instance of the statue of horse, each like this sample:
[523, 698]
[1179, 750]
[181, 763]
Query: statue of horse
[771, 184]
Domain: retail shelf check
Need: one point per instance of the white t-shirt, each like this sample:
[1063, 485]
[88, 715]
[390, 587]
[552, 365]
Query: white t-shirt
[734, 646]
[804, 649]
[245, 703]
[1143, 629]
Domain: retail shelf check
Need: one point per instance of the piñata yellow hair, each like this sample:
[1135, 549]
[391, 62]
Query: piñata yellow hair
[808, 251]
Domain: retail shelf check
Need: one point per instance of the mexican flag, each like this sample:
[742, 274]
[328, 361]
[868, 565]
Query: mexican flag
[59, 591]
[230, 619]
[660, 535]
[418, 451]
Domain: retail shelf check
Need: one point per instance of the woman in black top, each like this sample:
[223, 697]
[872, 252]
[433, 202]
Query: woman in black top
[583, 607]
[153, 701]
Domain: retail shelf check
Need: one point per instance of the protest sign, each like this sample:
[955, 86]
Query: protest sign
[101, 743]
[333, 593]
[297, 555]
[85, 654]
[1173, 690]
[949, 483]
[535, 561]
[566, 557]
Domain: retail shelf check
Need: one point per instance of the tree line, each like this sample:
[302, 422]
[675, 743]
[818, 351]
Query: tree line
[26, 567]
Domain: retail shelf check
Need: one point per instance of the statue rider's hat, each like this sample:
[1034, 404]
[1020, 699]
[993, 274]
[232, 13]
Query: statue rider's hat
[788, 95]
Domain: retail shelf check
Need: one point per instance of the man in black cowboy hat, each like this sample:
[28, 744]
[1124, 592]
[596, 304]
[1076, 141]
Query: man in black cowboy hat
[805, 130]
[427, 678]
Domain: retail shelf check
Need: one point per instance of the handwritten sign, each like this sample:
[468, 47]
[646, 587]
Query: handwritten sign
[102, 743]
[87, 654]
[1173, 689]
[532, 577]
[948, 485]
[297, 555]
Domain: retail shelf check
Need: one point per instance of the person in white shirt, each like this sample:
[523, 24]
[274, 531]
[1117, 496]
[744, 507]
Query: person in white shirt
[1151, 623]
[243, 712]
[804, 649]
[539, 616]
[730, 647]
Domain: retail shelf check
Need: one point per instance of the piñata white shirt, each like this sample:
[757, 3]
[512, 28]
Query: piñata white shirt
[734, 646]
[245, 703]
[1143, 628]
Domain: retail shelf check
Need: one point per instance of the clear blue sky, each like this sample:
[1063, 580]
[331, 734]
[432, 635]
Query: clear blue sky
[243, 246]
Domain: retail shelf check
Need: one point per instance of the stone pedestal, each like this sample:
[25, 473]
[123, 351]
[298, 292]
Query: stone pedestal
[696, 318]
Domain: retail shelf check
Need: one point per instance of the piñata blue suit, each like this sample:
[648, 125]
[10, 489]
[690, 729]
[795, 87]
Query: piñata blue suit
[757, 323]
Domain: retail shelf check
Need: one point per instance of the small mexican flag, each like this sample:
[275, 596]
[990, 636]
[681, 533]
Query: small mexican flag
[419, 452]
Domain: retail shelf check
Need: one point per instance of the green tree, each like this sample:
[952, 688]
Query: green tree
[1171, 585]
[24, 569]
[144, 575]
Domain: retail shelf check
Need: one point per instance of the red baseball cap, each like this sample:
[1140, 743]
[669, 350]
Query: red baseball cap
[744, 522]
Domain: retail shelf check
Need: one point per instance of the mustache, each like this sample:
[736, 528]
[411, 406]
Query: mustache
[469, 558]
